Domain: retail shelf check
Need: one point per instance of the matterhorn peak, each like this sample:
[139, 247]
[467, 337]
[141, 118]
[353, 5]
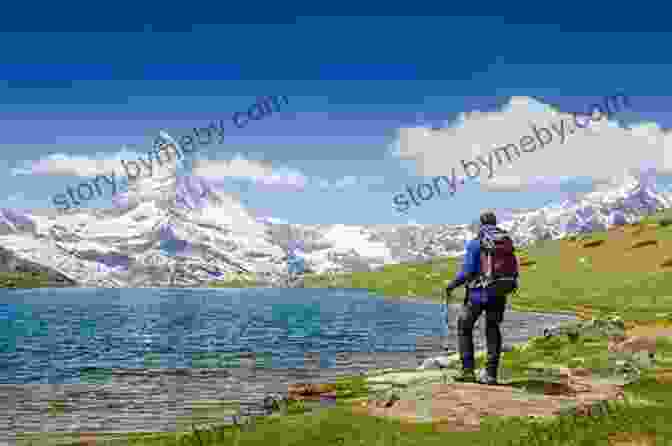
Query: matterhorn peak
[158, 179]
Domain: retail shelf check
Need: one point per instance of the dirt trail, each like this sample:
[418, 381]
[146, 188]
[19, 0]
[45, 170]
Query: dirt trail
[460, 406]
[454, 406]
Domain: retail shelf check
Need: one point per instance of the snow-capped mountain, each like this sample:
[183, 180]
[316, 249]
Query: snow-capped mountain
[149, 241]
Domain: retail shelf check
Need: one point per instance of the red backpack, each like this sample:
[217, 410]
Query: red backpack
[499, 264]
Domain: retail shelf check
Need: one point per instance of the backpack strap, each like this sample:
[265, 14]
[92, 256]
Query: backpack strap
[479, 280]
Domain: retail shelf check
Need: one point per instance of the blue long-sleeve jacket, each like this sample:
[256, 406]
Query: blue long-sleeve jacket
[471, 268]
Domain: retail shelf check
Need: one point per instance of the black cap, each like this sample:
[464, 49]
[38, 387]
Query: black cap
[488, 218]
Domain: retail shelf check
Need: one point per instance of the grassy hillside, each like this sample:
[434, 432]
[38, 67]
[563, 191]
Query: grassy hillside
[24, 280]
[626, 269]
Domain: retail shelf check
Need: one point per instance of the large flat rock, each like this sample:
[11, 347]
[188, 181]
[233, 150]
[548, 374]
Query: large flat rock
[461, 406]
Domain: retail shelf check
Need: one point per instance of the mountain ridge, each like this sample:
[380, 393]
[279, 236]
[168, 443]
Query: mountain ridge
[222, 240]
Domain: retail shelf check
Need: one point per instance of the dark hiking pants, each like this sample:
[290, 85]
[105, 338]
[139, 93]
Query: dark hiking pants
[469, 314]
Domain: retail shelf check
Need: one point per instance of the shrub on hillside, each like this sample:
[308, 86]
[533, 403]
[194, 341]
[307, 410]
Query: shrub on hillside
[667, 221]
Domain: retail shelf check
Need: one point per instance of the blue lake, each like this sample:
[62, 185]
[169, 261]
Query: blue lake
[54, 335]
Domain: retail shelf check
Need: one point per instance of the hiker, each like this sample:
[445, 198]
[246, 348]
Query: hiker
[490, 273]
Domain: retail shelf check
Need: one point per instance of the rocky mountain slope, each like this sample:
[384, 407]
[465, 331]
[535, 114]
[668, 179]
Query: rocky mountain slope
[148, 241]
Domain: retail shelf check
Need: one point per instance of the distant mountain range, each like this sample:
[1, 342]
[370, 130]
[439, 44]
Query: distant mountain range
[149, 242]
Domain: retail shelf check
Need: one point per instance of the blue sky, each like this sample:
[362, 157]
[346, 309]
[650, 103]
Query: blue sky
[105, 89]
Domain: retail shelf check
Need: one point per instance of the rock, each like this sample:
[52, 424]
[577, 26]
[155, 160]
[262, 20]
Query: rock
[439, 362]
[309, 391]
[274, 402]
[409, 378]
[388, 399]
[580, 371]
[633, 345]
[593, 243]
[642, 243]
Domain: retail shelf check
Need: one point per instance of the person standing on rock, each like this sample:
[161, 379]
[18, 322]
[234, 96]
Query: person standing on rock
[490, 273]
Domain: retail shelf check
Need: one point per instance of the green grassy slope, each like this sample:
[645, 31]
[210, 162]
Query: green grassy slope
[563, 275]
[24, 280]
[415, 280]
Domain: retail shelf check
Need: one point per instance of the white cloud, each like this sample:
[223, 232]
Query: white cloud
[60, 164]
[284, 177]
[261, 173]
[266, 176]
[238, 167]
[601, 151]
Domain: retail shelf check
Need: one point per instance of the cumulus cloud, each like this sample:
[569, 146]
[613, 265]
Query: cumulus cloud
[290, 178]
[61, 164]
[262, 173]
[238, 167]
[268, 177]
[602, 151]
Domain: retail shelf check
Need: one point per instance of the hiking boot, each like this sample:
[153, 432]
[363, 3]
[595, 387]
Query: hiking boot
[487, 379]
[467, 376]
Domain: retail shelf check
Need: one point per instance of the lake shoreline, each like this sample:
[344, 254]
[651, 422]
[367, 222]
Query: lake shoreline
[99, 341]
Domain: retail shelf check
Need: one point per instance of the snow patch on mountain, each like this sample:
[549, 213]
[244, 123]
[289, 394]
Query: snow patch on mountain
[152, 242]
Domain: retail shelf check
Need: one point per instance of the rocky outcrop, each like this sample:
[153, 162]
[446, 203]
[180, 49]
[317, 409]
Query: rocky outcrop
[460, 407]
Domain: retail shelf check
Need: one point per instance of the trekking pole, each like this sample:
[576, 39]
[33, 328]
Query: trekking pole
[483, 328]
[446, 319]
